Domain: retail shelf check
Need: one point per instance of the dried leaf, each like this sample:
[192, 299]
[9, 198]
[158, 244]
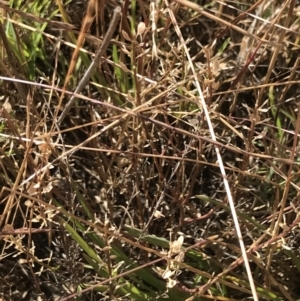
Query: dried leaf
[167, 274]
[171, 283]
[28, 203]
[180, 257]
[126, 36]
[141, 28]
[175, 246]
[158, 214]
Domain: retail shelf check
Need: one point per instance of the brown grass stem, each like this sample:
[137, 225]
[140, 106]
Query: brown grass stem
[95, 63]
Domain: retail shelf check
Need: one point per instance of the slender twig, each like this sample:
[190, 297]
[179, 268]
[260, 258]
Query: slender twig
[90, 71]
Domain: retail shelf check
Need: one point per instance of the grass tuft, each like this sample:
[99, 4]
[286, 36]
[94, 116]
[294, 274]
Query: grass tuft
[122, 196]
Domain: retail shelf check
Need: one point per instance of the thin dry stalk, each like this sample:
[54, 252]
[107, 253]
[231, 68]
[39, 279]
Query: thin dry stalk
[86, 24]
[94, 65]
[221, 165]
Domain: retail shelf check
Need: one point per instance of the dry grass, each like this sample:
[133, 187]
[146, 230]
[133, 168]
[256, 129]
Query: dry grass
[124, 197]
